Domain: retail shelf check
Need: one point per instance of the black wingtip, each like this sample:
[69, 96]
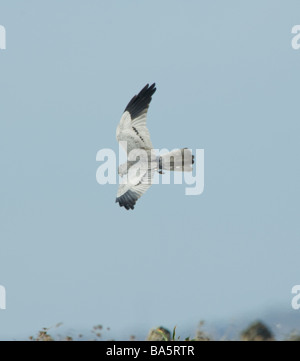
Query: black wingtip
[127, 201]
[141, 101]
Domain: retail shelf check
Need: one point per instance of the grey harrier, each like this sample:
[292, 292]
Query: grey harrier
[134, 137]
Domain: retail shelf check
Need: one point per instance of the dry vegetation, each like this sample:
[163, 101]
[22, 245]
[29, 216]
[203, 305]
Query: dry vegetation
[257, 331]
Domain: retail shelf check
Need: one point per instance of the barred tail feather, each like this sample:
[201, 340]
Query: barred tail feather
[180, 160]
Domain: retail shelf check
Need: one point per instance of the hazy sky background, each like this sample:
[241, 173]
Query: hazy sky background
[228, 82]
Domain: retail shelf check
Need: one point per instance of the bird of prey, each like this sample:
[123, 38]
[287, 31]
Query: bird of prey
[133, 135]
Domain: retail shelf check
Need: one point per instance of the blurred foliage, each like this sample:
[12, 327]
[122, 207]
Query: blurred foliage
[256, 331]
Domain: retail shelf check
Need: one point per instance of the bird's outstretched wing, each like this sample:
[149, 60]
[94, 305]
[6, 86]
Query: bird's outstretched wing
[134, 186]
[132, 128]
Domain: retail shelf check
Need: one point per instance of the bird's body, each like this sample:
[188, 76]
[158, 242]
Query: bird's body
[133, 135]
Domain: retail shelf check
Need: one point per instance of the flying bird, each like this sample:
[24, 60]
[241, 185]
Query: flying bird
[133, 135]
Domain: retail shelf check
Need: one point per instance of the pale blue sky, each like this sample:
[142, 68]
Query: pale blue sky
[227, 81]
